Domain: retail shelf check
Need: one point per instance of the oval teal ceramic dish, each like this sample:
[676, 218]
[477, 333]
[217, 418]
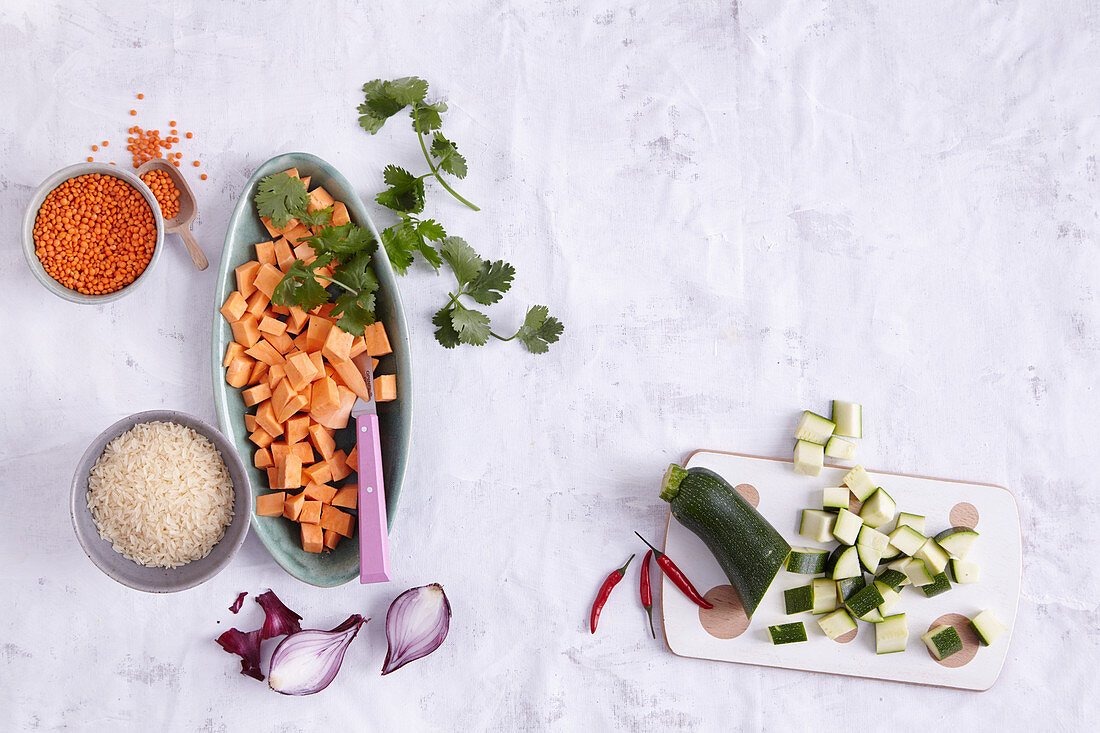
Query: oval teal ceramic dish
[281, 537]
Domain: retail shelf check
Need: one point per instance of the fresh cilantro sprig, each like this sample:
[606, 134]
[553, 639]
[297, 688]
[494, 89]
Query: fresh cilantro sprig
[479, 280]
[280, 198]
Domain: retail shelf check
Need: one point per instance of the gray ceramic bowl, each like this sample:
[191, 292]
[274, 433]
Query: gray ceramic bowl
[81, 169]
[160, 580]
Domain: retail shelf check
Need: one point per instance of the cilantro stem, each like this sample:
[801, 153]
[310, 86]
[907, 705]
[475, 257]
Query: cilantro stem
[353, 291]
[501, 338]
[435, 171]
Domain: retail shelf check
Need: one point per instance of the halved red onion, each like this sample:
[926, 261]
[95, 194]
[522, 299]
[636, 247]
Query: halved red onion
[416, 624]
[278, 619]
[245, 644]
[307, 661]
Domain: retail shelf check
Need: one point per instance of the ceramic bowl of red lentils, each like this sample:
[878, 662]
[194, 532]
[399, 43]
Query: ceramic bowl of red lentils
[92, 232]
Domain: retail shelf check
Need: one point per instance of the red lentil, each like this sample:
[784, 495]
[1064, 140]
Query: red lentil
[165, 191]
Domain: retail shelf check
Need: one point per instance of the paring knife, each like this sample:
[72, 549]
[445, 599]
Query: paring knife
[374, 543]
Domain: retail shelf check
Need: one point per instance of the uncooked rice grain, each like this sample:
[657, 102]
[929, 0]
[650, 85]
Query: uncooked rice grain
[161, 495]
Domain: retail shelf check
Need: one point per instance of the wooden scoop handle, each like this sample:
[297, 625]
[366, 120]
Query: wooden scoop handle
[193, 248]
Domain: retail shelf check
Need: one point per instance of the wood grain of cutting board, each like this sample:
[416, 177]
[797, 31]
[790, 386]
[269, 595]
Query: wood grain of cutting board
[782, 494]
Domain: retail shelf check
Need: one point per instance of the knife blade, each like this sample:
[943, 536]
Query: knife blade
[374, 545]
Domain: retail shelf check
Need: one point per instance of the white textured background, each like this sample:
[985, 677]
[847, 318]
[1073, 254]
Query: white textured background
[738, 210]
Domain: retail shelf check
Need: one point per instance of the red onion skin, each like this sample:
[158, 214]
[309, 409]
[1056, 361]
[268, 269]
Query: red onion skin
[287, 647]
[278, 619]
[245, 644]
[239, 602]
[400, 604]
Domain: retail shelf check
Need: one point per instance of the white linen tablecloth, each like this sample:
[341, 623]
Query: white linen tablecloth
[738, 209]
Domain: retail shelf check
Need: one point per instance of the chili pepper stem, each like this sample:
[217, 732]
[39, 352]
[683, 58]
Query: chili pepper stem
[622, 570]
[656, 553]
[649, 612]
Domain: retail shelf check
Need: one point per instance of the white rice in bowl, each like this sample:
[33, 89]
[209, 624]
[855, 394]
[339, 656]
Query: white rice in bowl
[161, 495]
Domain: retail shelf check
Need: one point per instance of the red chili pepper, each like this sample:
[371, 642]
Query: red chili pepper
[605, 591]
[677, 576]
[647, 593]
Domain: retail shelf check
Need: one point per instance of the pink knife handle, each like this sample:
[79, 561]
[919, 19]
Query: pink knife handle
[374, 544]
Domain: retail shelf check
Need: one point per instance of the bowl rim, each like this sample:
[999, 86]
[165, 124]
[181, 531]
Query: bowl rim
[78, 501]
[31, 213]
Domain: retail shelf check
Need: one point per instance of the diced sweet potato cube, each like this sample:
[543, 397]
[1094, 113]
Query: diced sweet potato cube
[338, 465]
[378, 343]
[316, 332]
[265, 252]
[352, 378]
[337, 345]
[265, 418]
[246, 277]
[346, 496]
[335, 417]
[246, 331]
[232, 349]
[292, 506]
[270, 505]
[255, 395]
[296, 320]
[358, 346]
[262, 459]
[280, 395]
[267, 277]
[300, 340]
[290, 472]
[306, 180]
[313, 538]
[265, 352]
[340, 214]
[275, 375]
[257, 304]
[272, 231]
[318, 363]
[234, 307]
[325, 309]
[297, 428]
[282, 343]
[292, 172]
[280, 310]
[259, 370]
[385, 388]
[311, 512]
[300, 370]
[250, 423]
[325, 395]
[273, 479]
[318, 473]
[296, 404]
[319, 198]
[279, 451]
[302, 450]
[261, 438]
[238, 370]
[284, 255]
[322, 440]
[274, 326]
[332, 539]
[304, 252]
[321, 492]
[336, 520]
[297, 233]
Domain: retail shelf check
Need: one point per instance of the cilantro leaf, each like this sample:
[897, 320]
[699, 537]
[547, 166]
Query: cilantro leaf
[318, 218]
[357, 273]
[299, 287]
[492, 282]
[384, 99]
[428, 117]
[356, 311]
[539, 329]
[405, 192]
[445, 332]
[462, 258]
[450, 159]
[281, 197]
[399, 244]
[346, 239]
[472, 326]
[431, 230]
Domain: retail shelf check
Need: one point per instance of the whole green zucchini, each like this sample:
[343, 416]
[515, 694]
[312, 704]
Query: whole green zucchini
[750, 551]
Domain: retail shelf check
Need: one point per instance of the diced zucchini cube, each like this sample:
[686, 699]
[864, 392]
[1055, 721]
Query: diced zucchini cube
[869, 557]
[840, 448]
[848, 418]
[915, 521]
[814, 428]
[872, 537]
[957, 541]
[939, 584]
[845, 563]
[860, 482]
[824, 595]
[799, 600]
[835, 497]
[963, 571]
[848, 586]
[890, 598]
[809, 458]
[907, 539]
[847, 526]
[837, 623]
[817, 525]
[933, 555]
[891, 635]
[863, 601]
[807, 560]
[943, 641]
[892, 578]
[878, 509]
[987, 626]
[787, 633]
[916, 571]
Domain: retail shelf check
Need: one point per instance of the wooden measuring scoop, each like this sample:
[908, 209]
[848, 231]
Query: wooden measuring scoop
[180, 224]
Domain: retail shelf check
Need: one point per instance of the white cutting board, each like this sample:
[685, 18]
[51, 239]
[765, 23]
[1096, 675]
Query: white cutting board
[783, 494]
